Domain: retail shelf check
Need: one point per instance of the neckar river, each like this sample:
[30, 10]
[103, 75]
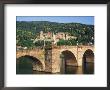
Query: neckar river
[88, 69]
[26, 68]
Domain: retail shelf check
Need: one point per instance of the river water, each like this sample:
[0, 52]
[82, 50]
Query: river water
[88, 69]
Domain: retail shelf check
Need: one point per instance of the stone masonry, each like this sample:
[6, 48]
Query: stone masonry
[51, 62]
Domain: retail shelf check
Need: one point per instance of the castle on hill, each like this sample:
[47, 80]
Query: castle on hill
[51, 36]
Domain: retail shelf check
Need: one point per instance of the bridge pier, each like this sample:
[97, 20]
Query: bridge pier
[52, 62]
[79, 58]
[56, 61]
[48, 60]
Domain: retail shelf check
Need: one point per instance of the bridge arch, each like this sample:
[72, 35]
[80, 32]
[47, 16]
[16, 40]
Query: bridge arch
[69, 57]
[88, 53]
[31, 61]
[88, 61]
[68, 60]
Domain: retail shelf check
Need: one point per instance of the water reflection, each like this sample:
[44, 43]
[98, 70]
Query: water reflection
[89, 69]
[26, 68]
[73, 70]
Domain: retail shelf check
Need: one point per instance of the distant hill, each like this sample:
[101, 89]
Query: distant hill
[46, 26]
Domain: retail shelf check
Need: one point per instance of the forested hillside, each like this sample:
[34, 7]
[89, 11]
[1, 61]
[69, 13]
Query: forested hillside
[27, 31]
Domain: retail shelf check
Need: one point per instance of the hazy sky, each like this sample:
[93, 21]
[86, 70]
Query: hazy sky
[60, 19]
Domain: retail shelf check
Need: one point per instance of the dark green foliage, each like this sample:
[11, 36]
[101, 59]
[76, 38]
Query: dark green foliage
[70, 42]
[25, 38]
[41, 43]
[48, 44]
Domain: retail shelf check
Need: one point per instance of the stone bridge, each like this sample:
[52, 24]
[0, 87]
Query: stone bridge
[51, 61]
[36, 53]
